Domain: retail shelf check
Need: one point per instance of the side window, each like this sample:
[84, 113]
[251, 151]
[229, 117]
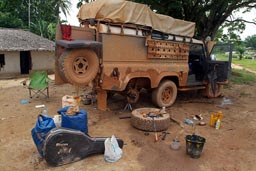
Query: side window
[220, 53]
[196, 52]
[2, 61]
[196, 61]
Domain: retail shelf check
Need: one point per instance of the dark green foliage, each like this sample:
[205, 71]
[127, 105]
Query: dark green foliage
[208, 15]
[234, 29]
[250, 41]
[7, 20]
[241, 50]
[44, 15]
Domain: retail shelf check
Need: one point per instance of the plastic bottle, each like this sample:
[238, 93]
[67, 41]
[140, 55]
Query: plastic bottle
[44, 112]
[189, 122]
[217, 126]
[162, 111]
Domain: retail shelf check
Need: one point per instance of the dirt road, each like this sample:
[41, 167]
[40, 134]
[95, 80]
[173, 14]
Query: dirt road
[235, 66]
[232, 147]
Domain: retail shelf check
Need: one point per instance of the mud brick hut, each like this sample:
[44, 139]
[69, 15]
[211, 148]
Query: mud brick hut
[21, 51]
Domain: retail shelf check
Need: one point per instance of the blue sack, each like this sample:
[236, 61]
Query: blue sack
[43, 125]
[77, 122]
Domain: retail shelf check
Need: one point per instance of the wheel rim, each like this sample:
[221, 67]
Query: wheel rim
[80, 65]
[136, 93]
[167, 95]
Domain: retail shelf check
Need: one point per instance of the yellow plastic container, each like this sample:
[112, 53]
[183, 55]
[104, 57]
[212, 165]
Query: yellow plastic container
[215, 117]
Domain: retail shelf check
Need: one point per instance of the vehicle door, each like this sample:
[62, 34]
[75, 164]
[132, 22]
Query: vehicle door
[219, 65]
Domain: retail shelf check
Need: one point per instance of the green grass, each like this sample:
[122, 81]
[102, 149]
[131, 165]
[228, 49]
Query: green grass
[246, 63]
[222, 57]
[242, 77]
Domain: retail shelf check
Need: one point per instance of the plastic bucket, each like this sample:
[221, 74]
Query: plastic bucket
[194, 145]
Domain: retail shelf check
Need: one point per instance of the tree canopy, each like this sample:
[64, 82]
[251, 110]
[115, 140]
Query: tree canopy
[250, 41]
[42, 19]
[209, 15]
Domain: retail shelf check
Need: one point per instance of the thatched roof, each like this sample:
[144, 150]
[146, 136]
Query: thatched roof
[21, 40]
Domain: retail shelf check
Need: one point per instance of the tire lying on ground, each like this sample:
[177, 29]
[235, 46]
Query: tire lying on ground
[140, 121]
[78, 66]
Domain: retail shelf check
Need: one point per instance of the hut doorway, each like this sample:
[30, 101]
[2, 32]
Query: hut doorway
[25, 62]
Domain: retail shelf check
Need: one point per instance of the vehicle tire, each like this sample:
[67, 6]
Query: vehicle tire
[140, 121]
[78, 66]
[165, 94]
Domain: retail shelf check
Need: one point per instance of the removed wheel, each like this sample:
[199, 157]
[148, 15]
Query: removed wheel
[78, 66]
[140, 120]
[165, 94]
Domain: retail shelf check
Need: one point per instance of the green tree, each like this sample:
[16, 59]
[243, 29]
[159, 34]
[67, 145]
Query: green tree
[11, 14]
[208, 15]
[233, 32]
[9, 21]
[80, 2]
[44, 15]
[44, 29]
[61, 6]
[241, 50]
[250, 41]
[51, 31]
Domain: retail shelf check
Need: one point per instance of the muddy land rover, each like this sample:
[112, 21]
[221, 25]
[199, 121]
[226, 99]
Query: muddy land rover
[122, 47]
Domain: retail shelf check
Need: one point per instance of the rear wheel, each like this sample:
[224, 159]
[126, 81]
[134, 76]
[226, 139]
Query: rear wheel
[78, 66]
[165, 94]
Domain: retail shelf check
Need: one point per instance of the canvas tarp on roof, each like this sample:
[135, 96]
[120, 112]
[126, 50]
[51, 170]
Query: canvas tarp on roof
[120, 11]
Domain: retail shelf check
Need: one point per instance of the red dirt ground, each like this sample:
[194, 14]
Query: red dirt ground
[231, 148]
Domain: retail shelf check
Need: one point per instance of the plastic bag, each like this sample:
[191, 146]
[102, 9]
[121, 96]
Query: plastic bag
[112, 150]
[57, 120]
[43, 125]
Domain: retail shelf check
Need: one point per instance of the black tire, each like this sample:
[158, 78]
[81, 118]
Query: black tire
[140, 121]
[78, 66]
[165, 94]
[60, 65]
